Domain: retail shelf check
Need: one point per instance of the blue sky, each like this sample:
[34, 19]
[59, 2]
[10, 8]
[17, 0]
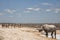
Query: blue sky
[29, 11]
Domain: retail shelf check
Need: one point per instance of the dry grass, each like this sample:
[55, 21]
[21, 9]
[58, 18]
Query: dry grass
[21, 34]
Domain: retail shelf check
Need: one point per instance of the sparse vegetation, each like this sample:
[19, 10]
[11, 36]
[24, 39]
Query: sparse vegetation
[21, 32]
[24, 33]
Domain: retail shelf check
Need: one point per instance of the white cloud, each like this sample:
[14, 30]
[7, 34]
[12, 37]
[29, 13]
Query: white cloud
[57, 10]
[46, 3]
[36, 9]
[10, 11]
[33, 9]
[48, 10]
[28, 10]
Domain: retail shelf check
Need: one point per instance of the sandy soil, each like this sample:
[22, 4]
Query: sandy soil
[58, 31]
[21, 34]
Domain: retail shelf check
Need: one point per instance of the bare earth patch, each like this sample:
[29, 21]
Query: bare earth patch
[21, 34]
[58, 31]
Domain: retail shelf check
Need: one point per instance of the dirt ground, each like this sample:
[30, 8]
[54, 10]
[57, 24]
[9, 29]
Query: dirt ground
[58, 31]
[21, 34]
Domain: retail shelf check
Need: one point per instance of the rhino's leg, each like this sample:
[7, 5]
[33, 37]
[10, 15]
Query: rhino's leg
[46, 34]
[52, 34]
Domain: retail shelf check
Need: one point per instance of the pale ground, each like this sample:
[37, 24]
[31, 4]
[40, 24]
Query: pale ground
[58, 31]
[21, 34]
